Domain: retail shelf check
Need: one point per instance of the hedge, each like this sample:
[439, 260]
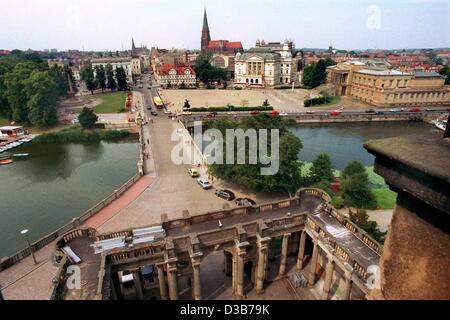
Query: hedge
[232, 108]
[79, 135]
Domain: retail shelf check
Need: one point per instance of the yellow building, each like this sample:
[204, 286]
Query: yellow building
[384, 87]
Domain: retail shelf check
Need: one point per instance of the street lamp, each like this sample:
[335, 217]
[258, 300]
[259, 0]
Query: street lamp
[24, 232]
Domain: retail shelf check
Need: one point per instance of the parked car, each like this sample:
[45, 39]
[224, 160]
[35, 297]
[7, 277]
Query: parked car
[186, 113]
[193, 172]
[394, 110]
[204, 183]
[370, 111]
[335, 113]
[225, 194]
[274, 113]
[414, 109]
[379, 112]
[255, 112]
[244, 202]
[283, 114]
[309, 112]
[153, 113]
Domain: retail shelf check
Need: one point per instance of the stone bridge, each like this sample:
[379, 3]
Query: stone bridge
[247, 236]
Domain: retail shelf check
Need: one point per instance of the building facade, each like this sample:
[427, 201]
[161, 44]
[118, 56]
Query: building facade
[386, 87]
[116, 62]
[172, 75]
[268, 65]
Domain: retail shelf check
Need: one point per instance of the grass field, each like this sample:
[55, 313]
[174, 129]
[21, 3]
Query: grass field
[3, 122]
[385, 198]
[113, 102]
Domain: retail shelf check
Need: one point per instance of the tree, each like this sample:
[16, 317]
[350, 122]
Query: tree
[121, 79]
[42, 94]
[111, 82]
[356, 191]
[266, 103]
[287, 179]
[187, 105]
[361, 219]
[100, 78]
[87, 118]
[321, 169]
[325, 186]
[205, 71]
[314, 74]
[329, 62]
[354, 167]
[61, 80]
[87, 76]
[446, 73]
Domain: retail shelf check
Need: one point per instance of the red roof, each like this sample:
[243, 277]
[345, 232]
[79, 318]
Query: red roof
[225, 43]
[164, 69]
[443, 52]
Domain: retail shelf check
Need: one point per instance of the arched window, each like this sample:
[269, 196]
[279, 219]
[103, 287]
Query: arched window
[256, 81]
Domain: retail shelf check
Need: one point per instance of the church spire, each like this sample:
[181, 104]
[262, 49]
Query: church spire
[206, 37]
[133, 47]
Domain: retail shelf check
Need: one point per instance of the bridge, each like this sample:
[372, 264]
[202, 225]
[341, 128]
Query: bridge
[322, 116]
[246, 236]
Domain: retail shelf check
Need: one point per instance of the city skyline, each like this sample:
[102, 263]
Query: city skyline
[371, 24]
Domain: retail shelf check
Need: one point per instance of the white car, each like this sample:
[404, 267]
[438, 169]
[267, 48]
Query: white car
[283, 114]
[232, 113]
[204, 183]
[394, 110]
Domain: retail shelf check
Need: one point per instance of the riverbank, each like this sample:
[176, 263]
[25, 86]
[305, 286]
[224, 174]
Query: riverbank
[77, 134]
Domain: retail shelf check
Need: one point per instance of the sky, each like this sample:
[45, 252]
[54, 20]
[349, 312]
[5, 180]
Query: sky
[110, 24]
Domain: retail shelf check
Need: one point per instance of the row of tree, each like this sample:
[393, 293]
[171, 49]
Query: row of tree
[29, 90]
[315, 73]
[104, 78]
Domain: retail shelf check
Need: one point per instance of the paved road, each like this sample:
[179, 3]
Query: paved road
[173, 190]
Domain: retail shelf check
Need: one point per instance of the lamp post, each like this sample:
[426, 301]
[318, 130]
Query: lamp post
[24, 232]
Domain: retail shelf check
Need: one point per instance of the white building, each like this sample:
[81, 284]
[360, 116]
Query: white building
[116, 62]
[267, 65]
[171, 75]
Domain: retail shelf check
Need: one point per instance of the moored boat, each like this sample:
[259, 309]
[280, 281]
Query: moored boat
[5, 161]
[21, 155]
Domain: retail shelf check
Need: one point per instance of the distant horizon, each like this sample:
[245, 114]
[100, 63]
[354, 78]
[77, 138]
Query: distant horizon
[345, 25]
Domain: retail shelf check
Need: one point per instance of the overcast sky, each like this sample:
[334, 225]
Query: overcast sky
[110, 24]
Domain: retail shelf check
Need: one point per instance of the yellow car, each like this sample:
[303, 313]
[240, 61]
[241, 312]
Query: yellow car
[193, 172]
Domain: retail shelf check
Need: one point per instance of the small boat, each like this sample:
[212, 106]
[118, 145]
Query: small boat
[5, 161]
[440, 126]
[20, 155]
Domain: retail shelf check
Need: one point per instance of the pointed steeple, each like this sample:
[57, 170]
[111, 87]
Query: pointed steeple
[133, 48]
[206, 37]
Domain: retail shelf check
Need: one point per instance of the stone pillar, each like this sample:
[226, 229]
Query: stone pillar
[347, 289]
[173, 282]
[301, 252]
[284, 253]
[312, 270]
[196, 275]
[262, 264]
[329, 269]
[138, 284]
[239, 271]
[162, 282]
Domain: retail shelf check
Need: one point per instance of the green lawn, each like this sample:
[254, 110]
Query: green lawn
[3, 122]
[385, 198]
[111, 103]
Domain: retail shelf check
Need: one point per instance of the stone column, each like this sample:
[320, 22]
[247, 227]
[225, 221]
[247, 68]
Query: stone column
[196, 275]
[173, 282]
[329, 269]
[312, 270]
[262, 264]
[301, 252]
[138, 284]
[162, 282]
[347, 287]
[239, 276]
[284, 253]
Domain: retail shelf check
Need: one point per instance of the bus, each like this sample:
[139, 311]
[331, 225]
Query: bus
[158, 102]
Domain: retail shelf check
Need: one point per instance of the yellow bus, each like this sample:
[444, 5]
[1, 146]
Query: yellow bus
[158, 102]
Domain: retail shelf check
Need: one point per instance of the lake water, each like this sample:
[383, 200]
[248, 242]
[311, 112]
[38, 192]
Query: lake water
[344, 141]
[56, 183]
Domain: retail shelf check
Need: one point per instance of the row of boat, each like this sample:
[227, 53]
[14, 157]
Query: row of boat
[7, 160]
[14, 144]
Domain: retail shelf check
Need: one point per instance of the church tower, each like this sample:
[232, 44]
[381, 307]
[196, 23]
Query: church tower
[206, 37]
[133, 48]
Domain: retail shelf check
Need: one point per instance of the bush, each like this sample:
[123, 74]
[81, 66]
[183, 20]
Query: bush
[87, 118]
[337, 201]
[325, 186]
[318, 101]
[79, 135]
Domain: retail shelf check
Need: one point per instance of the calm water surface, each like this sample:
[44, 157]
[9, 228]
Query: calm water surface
[56, 183]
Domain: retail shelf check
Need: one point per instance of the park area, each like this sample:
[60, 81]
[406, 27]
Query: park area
[111, 102]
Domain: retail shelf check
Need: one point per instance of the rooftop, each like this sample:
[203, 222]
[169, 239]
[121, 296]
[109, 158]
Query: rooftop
[427, 75]
[383, 72]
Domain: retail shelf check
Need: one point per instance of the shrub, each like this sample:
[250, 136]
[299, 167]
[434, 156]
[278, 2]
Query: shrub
[79, 135]
[337, 201]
